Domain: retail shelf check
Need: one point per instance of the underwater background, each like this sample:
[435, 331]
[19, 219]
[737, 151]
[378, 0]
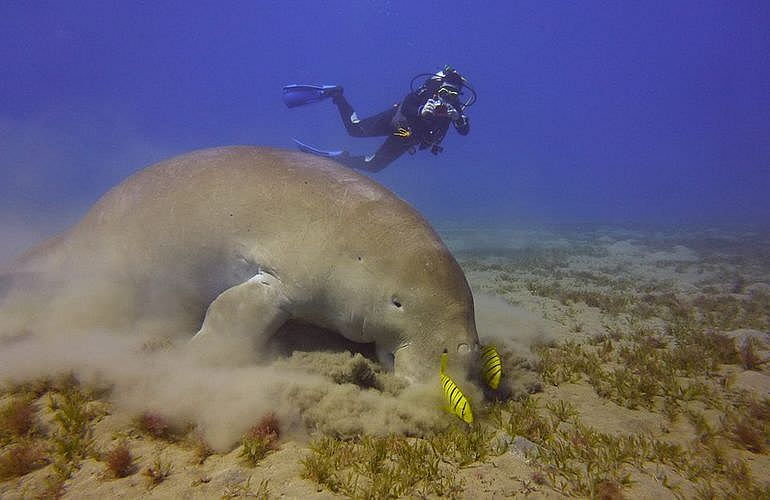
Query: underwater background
[609, 210]
[648, 113]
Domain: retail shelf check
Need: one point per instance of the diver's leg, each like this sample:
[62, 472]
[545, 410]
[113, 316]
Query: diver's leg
[392, 148]
[374, 126]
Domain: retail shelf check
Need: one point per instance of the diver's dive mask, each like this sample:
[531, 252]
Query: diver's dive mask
[448, 92]
[449, 82]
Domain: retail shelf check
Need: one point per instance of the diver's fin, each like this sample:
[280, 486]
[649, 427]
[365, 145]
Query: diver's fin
[318, 152]
[299, 95]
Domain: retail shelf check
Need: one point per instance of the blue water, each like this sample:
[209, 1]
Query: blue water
[588, 112]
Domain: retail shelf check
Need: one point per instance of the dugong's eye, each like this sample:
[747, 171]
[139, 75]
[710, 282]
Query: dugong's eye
[463, 348]
[396, 302]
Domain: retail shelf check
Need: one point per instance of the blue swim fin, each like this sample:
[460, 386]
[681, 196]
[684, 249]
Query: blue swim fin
[318, 152]
[299, 95]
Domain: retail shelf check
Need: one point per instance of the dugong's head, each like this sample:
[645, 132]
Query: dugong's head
[402, 289]
[431, 312]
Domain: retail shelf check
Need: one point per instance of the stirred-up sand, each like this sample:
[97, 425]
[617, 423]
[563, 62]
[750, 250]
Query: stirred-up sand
[636, 367]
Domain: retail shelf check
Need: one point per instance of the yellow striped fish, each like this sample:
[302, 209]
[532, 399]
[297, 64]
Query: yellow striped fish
[491, 366]
[455, 400]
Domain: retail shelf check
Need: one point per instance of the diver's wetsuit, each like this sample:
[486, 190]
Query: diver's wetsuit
[424, 132]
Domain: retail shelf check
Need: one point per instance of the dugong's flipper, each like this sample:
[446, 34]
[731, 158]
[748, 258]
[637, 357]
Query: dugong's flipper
[240, 319]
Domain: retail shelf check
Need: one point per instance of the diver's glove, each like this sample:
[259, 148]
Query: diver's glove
[452, 112]
[429, 108]
[461, 124]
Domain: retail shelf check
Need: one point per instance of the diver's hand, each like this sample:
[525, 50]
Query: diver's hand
[429, 108]
[461, 125]
[452, 112]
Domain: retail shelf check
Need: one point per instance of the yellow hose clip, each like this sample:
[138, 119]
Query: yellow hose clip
[403, 132]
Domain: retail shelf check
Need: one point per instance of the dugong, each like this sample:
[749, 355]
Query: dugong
[225, 245]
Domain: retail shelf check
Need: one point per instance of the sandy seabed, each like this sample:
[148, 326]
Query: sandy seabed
[635, 367]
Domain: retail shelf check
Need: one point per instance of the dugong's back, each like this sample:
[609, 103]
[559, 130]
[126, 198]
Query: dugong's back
[206, 197]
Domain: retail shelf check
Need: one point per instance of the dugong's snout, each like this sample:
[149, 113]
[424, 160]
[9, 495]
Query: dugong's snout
[420, 362]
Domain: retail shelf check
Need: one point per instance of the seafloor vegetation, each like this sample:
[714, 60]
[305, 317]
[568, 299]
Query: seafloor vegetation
[657, 385]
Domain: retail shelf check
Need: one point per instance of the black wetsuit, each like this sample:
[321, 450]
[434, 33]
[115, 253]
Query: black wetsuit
[423, 132]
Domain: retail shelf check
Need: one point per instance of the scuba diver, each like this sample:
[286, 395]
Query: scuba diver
[419, 121]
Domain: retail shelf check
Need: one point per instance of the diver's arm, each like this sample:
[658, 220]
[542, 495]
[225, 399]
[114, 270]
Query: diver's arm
[459, 120]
